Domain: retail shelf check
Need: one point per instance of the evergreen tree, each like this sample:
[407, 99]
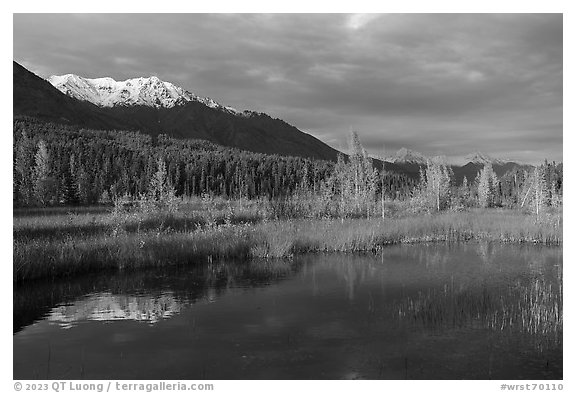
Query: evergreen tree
[69, 187]
[23, 169]
[41, 175]
[83, 185]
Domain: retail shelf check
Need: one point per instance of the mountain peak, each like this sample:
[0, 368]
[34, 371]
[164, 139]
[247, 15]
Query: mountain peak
[146, 91]
[482, 158]
[405, 155]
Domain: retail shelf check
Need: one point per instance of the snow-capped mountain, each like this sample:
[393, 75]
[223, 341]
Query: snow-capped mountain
[482, 158]
[408, 156]
[102, 105]
[151, 91]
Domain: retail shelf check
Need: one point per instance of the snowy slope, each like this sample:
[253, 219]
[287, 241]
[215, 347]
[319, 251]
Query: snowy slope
[152, 92]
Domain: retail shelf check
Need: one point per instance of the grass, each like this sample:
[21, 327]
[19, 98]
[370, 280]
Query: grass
[300, 236]
[534, 309]
[55, 245]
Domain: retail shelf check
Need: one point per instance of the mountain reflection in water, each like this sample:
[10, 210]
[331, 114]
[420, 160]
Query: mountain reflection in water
[148, 295]
[110, 307]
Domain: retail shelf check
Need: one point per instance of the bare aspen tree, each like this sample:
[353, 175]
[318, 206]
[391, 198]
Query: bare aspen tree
[158, 182]
[363, 178]
[435, 182]
[535, 191]
[355, 180]
[555, 198]
[161, 189]
[539, 190]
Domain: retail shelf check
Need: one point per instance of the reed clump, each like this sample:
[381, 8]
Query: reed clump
[533, 309]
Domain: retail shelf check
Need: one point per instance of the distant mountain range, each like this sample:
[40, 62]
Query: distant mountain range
[409, 162]
[407, 156]
[155, 107]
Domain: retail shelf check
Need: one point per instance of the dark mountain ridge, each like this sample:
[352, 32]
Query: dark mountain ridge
[258, 133]
[34, 96]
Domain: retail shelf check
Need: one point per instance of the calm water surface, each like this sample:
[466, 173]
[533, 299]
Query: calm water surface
[472, 311]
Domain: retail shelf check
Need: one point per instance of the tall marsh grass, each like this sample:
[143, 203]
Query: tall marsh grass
[68, 244]
[283, 238]
[69, 256]
[533, 309]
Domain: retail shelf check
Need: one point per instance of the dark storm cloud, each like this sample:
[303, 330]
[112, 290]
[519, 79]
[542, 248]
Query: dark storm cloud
[440, 84]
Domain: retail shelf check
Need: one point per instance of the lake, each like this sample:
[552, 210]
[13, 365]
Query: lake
[425, 311]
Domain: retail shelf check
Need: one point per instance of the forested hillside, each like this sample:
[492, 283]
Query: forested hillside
[56, 164]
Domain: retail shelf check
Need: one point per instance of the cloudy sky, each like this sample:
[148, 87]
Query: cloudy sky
[438, 84]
